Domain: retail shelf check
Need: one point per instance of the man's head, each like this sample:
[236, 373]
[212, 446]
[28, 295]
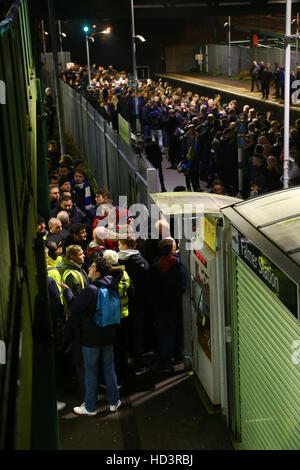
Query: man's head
[55, 226]
[167, 247]
[127, 243]
[100, 234]
[66, 204]
[64, 218]
[79, 165]
[54, 193]
[228, 133]
[79, 177]
[41, 225]
[52, 146]
[64, 184]
[162, 227]
[75, 253]
[102, 195]
[258, 159]
[53, 251]
[64, 170]
[99, 268]
[78, 232]
[217, 187]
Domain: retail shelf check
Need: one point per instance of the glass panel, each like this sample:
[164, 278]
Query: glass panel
[285, 234]
[270, 208]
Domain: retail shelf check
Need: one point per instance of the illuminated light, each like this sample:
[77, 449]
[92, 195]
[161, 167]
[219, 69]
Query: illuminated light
[85, 29]
[200, 257]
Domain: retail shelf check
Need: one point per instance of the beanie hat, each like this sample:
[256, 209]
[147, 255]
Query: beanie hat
[111, 256]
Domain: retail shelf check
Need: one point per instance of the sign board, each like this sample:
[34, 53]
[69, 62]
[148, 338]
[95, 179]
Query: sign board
[274, 279]
[124, 129]
[210, 232]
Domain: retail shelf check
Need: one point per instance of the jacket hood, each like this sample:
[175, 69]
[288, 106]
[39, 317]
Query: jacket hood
[126, 254]
[165, 263]
[106, 281]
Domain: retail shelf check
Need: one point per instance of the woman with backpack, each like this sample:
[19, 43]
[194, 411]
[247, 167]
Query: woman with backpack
[97, 341]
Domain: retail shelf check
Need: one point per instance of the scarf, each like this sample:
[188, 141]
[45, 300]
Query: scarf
[87, 193]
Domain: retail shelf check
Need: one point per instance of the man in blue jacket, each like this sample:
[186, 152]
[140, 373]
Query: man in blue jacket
[96, 341]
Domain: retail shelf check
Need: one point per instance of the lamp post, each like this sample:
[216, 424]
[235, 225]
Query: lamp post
[227, 25]
[86, 30]
[61, 36]
[287, 72]
[133, 39]
[44, 33]
[91, 37]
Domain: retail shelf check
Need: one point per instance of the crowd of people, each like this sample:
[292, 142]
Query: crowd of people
[198, 134]
[91, 245]
[262, 78]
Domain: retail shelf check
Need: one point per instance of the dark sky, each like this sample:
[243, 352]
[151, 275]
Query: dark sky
[172, 28]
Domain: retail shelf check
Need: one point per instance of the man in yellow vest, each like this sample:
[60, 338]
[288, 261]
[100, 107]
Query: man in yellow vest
[76, 278]
[126, 291]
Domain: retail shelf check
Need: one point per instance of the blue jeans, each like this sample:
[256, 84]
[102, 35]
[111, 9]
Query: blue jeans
[157, 136]
[91, 357]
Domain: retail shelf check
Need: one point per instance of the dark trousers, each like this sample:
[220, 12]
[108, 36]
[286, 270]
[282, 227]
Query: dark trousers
[121, 350]
[265, 90]
[254, 81]
[166, 324]
[161, 177]
[136, 336]
[174, 149]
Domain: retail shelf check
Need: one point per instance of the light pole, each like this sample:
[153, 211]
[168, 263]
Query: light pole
[91, 37]
[44, 33]
[228, 27]
[287, 72]
[86, 30]
[133, 39]
[61, 36]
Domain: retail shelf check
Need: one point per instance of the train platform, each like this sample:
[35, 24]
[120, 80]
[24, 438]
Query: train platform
[159, 411]
[230, 88]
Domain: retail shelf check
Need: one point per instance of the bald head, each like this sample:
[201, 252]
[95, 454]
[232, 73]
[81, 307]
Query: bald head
[55, 225]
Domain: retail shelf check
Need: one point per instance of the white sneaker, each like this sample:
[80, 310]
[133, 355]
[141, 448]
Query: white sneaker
[81, 410]
[114, 408]
[60, 405]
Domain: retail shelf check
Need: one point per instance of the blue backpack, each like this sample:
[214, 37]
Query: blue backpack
[108, 308]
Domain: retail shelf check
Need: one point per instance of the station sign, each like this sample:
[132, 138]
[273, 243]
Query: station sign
[274, 279]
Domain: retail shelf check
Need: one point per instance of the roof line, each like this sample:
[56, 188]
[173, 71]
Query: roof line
[282, 219]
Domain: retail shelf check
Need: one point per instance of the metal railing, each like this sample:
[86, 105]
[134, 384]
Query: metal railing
[112, 161]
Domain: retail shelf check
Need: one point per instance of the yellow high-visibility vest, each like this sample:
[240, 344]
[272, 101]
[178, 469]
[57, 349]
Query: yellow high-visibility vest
[123, 286]
[79, 278]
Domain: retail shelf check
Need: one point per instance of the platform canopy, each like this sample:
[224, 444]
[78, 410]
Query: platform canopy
[174, 203]
[276, 216]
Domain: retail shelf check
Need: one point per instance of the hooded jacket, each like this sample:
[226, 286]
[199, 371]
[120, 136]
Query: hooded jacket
[137, 268]
[168, 282]
[83, 308]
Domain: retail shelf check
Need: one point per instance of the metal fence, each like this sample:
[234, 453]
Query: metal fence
[215, 58]
[112, 161]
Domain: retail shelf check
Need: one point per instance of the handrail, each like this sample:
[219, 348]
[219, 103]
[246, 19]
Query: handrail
[11, 14]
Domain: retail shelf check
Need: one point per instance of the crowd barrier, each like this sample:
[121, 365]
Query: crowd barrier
[112, 160]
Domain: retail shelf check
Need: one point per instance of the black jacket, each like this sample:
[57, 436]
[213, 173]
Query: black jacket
[153, 154]
[137, 268]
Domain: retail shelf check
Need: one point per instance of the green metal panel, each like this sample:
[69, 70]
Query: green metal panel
[269, 379]
[24, 305]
